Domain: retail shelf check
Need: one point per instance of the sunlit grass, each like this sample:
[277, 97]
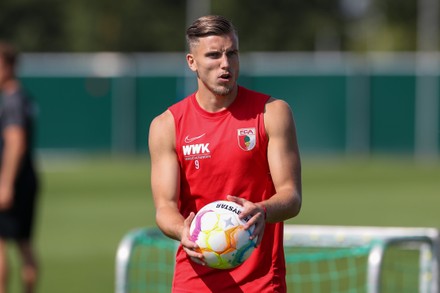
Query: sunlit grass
[88, 203]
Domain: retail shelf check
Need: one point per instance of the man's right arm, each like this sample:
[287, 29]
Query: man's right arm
[165, 175]
[165, 182]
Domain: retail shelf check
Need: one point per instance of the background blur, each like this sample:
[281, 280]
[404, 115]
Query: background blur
[362, 77]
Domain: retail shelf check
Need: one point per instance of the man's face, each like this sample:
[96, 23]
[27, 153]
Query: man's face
[215, 60]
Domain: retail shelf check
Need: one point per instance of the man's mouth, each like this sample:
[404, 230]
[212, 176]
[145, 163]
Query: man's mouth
[226, 76]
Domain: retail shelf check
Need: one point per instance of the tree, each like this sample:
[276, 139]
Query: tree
[159, 25]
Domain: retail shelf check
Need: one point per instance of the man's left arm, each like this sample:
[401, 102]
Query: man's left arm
[284, 162]
[285, 168]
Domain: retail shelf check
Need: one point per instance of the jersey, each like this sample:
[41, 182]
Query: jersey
[219, 154]
[16, 109]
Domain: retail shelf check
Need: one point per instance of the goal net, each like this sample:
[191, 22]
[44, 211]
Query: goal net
[330, 259]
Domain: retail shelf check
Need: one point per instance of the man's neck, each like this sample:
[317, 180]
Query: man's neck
[215, 103]
[10, 86]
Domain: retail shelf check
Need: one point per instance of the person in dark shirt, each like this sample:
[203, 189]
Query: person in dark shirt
[18, 180]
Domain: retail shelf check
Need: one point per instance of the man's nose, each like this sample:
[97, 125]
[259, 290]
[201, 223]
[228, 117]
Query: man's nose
[225, 61]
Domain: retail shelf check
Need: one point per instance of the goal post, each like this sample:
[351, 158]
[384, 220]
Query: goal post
[144, 262]
[379, 241]
[318, 259]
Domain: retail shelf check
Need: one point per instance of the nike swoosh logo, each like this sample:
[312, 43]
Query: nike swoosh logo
[189, 140]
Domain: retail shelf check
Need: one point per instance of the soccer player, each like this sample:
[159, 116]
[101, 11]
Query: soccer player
[18, 181]
[225, 142]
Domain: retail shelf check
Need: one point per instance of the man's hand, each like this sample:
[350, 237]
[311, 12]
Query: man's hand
[191, 248]
[256, 214]
[6, 197]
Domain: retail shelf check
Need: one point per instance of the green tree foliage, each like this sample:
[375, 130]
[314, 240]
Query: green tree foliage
[282, 25]
[159, 25]
[134, 25]
[33, 25]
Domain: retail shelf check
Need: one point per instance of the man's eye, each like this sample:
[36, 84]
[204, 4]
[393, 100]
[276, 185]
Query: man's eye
[213, 55]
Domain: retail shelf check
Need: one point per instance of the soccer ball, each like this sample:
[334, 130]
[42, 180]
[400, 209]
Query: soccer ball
[220, 235]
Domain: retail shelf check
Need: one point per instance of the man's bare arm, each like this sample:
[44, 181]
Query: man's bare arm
[284, 162]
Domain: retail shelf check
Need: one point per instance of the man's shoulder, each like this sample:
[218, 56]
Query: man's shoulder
[17, 97]
[180, 106]
[249, 97]
[161, 122]
[252, 93]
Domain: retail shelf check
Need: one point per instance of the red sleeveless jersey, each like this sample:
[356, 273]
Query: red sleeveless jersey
[226, 153]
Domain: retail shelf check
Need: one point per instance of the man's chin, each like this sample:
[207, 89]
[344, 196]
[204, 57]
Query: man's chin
[223, 90]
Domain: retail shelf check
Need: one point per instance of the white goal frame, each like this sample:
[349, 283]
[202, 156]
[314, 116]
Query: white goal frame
[425, 240]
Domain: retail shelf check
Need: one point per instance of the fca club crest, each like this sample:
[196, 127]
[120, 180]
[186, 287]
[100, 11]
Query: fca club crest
[246, 138]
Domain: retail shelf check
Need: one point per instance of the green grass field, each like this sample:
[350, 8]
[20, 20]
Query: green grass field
[88, 203]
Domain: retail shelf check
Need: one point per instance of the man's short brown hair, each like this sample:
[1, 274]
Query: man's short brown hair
[210, 25]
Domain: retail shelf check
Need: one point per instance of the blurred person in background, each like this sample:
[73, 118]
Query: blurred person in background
[247, 153]
[18, 180]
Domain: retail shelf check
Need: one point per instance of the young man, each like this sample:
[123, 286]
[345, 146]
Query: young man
[18, 182]
[225, 142]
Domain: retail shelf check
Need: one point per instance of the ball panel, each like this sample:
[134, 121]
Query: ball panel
[210, 221]
[217, 241]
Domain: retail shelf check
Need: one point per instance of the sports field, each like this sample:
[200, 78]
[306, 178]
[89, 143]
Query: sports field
[89, 202]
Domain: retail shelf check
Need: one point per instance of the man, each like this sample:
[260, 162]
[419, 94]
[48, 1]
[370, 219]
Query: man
[225, 142]
[18, 182]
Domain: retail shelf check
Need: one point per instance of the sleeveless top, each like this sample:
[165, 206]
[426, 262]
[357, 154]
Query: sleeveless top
[219, 154]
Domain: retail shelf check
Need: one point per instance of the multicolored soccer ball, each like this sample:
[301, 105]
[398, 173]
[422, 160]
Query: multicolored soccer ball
[220, 235]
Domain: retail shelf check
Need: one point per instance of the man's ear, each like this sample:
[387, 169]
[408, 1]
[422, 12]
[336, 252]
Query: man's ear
[191, 62]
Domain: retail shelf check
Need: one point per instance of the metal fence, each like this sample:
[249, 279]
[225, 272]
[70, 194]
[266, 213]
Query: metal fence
[342, 102]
